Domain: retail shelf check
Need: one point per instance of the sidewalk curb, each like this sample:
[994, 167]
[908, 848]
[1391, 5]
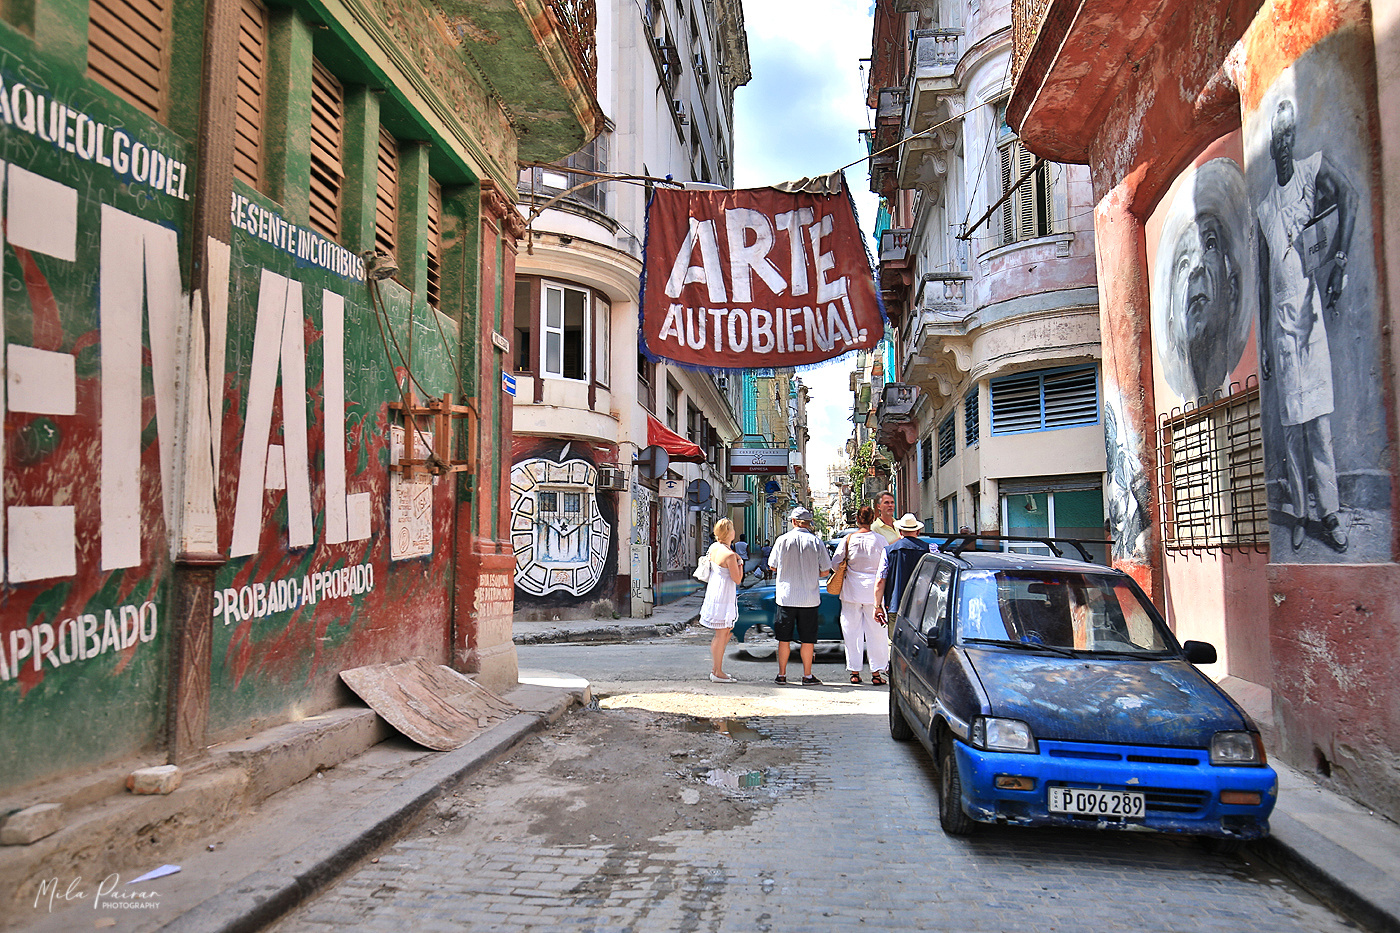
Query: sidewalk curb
[603, 634]
[1338, 876]
[266, 895]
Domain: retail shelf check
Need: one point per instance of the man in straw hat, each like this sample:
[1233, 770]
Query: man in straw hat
[900, 560]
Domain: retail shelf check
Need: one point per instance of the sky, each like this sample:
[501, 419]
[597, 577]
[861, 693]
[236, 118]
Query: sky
[801, 114]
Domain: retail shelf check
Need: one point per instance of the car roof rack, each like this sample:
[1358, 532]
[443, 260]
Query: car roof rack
[956, 544]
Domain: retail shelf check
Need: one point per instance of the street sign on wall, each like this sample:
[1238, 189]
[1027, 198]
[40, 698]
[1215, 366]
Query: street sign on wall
[758, 460]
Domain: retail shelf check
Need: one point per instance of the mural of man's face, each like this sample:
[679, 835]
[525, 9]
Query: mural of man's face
[1283, 130]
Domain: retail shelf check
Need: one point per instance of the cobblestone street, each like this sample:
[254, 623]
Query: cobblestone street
[843, 836]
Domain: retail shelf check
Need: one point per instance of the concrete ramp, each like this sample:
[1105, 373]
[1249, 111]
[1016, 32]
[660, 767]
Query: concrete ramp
[433, 705]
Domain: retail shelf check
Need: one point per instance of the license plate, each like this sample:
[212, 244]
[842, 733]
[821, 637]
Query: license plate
[1113, 804]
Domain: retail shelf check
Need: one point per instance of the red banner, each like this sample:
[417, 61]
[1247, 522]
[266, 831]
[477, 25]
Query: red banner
[756, 278]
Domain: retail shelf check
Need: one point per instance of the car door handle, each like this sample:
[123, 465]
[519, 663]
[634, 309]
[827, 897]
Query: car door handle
[916, 651]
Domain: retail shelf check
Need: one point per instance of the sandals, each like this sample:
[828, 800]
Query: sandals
[877, 678]
[855, 677]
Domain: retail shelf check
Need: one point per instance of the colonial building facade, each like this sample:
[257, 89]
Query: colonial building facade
[597, 526]
[988, 391]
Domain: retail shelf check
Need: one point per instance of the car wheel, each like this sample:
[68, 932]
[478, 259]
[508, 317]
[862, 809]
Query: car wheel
[950, 812]
[759, 642]
[899, 726]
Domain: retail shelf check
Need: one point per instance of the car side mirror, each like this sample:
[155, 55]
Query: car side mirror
[1199, 652]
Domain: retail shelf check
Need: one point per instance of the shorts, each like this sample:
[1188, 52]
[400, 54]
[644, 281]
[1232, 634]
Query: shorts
[804, 618]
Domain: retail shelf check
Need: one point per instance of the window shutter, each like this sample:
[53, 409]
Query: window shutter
[1008, 212]
[1025, 195]
[1016, 404]
[327, 142]
[1071, 398]
[947, 441]
[252, 67]
[386, 195]
[434, 242]
[970, 417]
[129, 50]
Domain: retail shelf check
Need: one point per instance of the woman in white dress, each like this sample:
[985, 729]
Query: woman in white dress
[864, 553]
[721, 606]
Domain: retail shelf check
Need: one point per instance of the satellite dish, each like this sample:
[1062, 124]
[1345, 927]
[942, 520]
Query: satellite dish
[653, 461]
[698, 493]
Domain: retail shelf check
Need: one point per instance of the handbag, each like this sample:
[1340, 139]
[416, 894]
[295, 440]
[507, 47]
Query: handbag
[703, 569]
[837, 577]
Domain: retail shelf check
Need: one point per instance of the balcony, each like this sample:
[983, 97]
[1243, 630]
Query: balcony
[937, 354]
[540, 58]
[932, 85]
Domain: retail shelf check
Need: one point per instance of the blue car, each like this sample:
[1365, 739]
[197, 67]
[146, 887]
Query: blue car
[1049, 691]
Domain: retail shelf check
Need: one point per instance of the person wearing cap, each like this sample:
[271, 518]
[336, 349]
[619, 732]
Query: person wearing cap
[900, 560]
[799, 558]
[884, 517]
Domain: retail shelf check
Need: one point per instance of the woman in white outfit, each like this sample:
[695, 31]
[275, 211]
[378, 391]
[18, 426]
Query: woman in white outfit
[721, 605]
[864, 553]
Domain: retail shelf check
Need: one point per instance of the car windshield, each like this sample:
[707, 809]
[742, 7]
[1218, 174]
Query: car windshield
[1097, 613]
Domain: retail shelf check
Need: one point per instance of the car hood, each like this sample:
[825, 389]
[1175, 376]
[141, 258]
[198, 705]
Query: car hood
[1148, 702]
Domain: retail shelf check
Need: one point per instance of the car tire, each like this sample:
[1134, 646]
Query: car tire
[899, 726]
[760, 642]
[951, 817]
[1216, 846]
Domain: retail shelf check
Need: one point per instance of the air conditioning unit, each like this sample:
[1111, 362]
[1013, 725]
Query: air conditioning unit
[682, 114]
[613, 477]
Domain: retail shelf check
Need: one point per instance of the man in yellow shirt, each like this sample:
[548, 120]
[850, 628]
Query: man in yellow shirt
[884, 517]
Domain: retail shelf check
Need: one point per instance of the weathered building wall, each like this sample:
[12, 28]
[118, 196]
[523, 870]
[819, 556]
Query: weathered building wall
[203, 389]
[96, 202]
[1300, 307]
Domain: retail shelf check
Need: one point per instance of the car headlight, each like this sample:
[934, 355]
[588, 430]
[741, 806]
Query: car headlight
[1002, 735]
[1237, 748]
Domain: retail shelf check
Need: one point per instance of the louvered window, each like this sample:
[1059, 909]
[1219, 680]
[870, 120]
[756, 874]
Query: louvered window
[947, 440]
[1045, 400]
[971, 414]
[1026, 214]
[129, 50]
[386, 196]
[434, 242]
[926, 458]
[327, 146]
[252, 68]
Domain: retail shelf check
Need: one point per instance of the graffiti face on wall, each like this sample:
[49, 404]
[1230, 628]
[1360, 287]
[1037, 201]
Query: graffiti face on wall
[1128, 489]
[1202, 293]
[560, 535]
[1309, 167]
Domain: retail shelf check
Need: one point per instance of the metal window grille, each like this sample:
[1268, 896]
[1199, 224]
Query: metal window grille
[1210, 461]
[947, 440]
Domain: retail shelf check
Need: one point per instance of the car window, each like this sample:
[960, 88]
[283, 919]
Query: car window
[937, 603]
[916, 591]
[1082, 612]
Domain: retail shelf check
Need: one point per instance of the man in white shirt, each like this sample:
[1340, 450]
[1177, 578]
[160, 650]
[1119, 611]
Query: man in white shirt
[800, 559]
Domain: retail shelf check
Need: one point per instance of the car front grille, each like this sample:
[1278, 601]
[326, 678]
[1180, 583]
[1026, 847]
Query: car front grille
[1175, 800]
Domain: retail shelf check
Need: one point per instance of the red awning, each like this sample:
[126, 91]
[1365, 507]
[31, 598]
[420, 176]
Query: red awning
[677, 447]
